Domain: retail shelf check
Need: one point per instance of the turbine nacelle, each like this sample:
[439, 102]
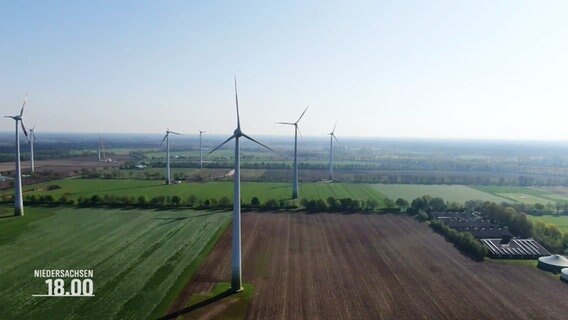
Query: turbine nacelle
[168, 132]
[238, 133]
[17, 118]
[20, 118]
[332, 133]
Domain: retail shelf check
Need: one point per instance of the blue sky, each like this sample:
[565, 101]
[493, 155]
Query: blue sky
[427, 69]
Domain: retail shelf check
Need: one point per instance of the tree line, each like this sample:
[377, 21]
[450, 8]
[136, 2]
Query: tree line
[463, 241]
[331, 204]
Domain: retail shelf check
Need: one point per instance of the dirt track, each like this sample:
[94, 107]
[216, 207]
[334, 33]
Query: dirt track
[332, 266]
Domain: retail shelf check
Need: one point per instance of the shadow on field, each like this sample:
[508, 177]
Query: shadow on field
[198, 306]
[279, 187]
[2, 217]
[174, 219]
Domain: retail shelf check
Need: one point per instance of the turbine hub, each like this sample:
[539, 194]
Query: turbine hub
[238, 132]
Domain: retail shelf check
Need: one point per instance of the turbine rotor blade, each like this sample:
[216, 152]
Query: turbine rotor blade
[164, 139]
[300, 132]
[290, 123]
[219, 146]
[237, 104]
[267, 147]
[23, 105]
[302, 114]
[179, 134]
[24, 130]
[335, 138]
[333, 131]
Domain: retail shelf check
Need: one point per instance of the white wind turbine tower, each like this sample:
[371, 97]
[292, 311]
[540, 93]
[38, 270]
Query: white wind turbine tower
[32, 139]
[101, 152]
[201, 148]
[236, 265]
[167, 139]
[18, 200]
[331, 137]
[296, 131]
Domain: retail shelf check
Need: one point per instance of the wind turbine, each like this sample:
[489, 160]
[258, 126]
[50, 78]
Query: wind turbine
[236, 265]
[167, 139]
[201, 148]
[101, 152]
[296, 131]
[18, 201]
[331, 137]
[32, 139]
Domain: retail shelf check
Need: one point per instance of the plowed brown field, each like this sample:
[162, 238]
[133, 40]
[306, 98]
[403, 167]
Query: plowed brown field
[333, 266]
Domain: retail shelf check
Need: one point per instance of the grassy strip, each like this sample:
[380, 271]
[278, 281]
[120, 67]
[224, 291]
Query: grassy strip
[187, 274]
[515, 262]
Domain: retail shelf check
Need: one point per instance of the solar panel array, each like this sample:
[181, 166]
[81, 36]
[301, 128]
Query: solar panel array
[516, 248]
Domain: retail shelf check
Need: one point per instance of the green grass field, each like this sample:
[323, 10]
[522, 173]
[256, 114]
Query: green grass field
[208, 174]
[76, 188]
[560, 221]
[527, 195]
[140, 259]
[457, 193]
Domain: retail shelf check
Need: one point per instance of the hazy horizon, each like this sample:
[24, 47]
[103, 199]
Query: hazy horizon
[437, 70]
[195, 135]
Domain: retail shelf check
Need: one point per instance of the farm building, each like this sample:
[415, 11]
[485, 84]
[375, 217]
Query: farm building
[456, 215]
[554, 263]
[564, 275]
[514, 249]
[461, 223]
[473, 223]
[488, 233]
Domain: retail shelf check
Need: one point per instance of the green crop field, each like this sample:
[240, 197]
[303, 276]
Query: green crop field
[209, 174]
[523, 198]
[140, 259]
[527, 195]
[557, 193]
[560, 221]
[457, 193]
[76, 188]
